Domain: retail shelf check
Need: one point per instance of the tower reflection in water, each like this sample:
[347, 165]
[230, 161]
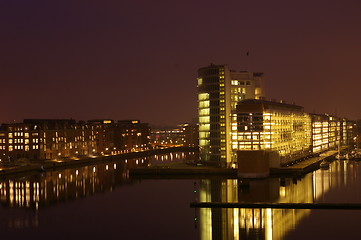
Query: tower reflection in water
[238, 223]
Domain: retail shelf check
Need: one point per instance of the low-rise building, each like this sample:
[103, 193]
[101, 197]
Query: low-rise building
[270, 134]
[185, 134]
[274, 134]
[61, 138]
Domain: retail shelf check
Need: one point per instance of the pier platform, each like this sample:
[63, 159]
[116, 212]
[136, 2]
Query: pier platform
[306, 166]
[168, 170]
[182, 170]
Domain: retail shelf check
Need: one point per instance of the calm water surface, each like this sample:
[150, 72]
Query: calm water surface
[103, 202]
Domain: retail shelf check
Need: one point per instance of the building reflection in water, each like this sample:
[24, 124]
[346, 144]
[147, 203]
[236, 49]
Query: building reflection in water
[57, 186]
[39, 190]
[236, 223]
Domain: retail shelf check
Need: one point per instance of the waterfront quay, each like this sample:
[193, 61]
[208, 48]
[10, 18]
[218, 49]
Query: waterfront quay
[56, 164]
[184, 169]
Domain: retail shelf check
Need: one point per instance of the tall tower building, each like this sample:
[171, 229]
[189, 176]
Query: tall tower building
[219, 91]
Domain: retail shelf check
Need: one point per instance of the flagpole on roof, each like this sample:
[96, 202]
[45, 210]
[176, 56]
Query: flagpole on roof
[247, 61]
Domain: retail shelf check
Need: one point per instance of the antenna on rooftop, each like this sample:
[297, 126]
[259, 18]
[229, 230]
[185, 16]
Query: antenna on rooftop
[247, 62]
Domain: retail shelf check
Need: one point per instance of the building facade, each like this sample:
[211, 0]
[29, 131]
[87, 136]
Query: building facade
[62, 138]
[183, 135]
[273, 134]
[219, 91]
[270, 134]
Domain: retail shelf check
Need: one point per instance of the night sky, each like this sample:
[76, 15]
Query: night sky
[129, 59]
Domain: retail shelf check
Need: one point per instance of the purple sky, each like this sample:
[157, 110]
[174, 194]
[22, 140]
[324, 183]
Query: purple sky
[132, 59]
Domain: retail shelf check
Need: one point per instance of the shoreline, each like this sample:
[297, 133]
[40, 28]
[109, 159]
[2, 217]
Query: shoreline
[168, 170]
[47, 165]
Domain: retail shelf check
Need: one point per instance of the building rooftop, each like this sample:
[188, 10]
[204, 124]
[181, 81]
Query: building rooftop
[269, 104]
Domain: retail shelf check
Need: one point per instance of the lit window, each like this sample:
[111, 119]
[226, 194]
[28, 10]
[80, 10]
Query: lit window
[203, 96]
[205, 119]
[204, 127]
[203, 104]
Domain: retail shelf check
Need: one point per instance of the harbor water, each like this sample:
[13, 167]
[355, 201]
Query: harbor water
[102, 201]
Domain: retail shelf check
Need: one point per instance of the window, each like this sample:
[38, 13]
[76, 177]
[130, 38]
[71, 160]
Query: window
[204, 119]
[204, 111]
[204, 127]
[203, 104]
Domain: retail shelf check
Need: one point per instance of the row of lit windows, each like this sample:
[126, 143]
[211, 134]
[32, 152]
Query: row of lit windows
[237, 82]
[21, 134]
[288, 133]
[20, 147]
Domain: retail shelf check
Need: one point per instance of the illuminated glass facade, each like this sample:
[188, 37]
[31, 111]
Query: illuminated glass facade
[219, 90]
[270, 134]
[283, 129]
[326, 132]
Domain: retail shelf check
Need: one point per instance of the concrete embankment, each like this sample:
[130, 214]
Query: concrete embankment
[304, 167]
[183, 170]
[69, 163]
[171, 170]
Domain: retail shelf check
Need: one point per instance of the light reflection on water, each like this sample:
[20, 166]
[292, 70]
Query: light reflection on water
[52, 189]
[337, 184]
